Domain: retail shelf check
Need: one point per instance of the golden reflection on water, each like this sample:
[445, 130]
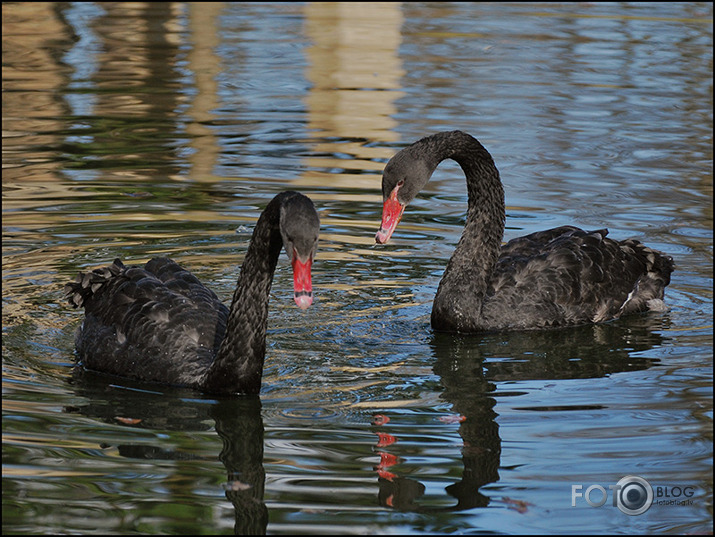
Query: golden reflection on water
[355, 81]
[31, 77]
[355, 75]
[204, 65]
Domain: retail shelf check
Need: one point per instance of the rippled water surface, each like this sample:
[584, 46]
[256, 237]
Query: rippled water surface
[140, 129]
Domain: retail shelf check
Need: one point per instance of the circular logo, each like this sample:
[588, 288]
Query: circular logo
[634, 495]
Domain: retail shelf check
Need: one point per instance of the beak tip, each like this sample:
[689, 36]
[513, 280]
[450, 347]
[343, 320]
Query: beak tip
[303, 301]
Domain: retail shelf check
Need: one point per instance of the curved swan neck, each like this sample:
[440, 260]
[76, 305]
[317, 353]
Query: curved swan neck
[238, 365]
[484, 227]
[470, 267]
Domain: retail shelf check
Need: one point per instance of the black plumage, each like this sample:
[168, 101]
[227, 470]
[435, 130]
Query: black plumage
[159, 323]
[559, 277]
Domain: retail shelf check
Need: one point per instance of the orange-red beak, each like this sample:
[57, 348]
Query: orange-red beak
[302, 285]
[391, 214]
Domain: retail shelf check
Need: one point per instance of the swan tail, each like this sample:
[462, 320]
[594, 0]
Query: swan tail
[88, 284]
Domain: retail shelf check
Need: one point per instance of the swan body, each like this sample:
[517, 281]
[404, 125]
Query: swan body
[559, 277]
[159, 323]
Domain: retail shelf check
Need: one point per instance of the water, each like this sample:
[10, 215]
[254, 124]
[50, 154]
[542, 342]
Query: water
[133, 130]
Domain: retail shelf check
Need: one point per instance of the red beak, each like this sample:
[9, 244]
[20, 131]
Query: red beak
[302, 285]
[391, 214]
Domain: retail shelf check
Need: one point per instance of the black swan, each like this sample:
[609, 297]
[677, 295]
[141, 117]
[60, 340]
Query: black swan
[558, 277]
[159, 323]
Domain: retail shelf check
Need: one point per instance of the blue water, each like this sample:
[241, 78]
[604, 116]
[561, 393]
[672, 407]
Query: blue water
[135, 130]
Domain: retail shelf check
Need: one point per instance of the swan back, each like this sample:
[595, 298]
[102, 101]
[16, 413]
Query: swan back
[157, 322]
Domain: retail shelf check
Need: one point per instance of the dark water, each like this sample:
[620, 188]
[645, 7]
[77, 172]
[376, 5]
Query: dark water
[133, 130]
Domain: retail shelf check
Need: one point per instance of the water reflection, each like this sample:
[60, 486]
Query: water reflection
[123, 52]
[355, 78]
[476, 375]
[470, 375]
[237, 420]
[355, 81]
[240, 426]
[589, 351]
[205, 65]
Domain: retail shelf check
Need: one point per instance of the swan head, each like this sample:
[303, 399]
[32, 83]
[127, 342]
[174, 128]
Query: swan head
[299, 227]
[404, 176]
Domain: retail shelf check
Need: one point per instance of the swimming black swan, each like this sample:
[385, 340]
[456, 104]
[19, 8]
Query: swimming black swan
[159, 323]
[559, 277]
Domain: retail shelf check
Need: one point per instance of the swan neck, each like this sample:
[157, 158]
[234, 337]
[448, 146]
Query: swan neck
[238, 365]
[468, 272]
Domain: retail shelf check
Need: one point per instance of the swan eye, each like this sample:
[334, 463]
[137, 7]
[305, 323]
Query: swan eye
[400, 182]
